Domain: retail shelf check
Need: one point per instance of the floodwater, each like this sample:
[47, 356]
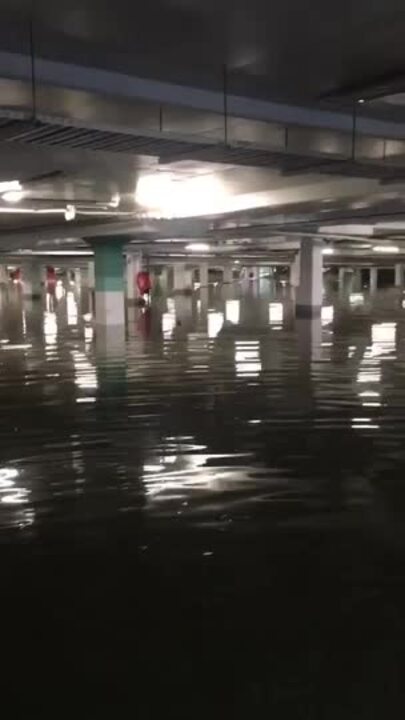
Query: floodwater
[207, 516]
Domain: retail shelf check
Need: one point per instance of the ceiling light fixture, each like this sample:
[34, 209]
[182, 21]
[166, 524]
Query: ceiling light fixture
[361, 101]
[386, 249]
[115, 200]
[198, 247]
[8, 185]
[13, 196]
[70, 213]
[328, 251]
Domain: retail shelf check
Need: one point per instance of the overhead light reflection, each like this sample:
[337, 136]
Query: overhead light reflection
[215, 323]
[276, 313]
[71, 309]
[386, 249]
[247, 358]
[356, 299]
[232, 311]
[50, 328]
[327, 314]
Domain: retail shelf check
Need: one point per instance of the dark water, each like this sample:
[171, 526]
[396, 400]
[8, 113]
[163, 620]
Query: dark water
[206, 518]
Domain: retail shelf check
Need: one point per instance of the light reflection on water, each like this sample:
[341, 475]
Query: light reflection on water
[212, 405]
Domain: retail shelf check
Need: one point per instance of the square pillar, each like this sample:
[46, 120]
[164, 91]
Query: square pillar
[133, 267]
[341, 279]
[295, 271]
[109, 276]
[32, 280]
[310, 290]
[399, 275]
[182, 278]
[3, 276]
[373, 279]
[203, 271]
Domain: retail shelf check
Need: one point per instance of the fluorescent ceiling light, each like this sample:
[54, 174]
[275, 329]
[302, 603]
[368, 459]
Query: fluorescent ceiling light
[70, 213]
[386, 248]
[198, 247]
[167, 194]
[328, 251]
[9, 185]
[115, 200]
[86, 253]
[13, 196]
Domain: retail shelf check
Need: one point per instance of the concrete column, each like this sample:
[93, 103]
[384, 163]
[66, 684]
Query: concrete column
[399, 275]
[91, 276]
[203, 269]
[109, 275]
[133, 267]
[32, 280]
[357, 284]
[295, 271]
[373, 279]
[164, 280]
[3, 276]
[309, 295]
[342, 279]
[182, 278]
[227, 276]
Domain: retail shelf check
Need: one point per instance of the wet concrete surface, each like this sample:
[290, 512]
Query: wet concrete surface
[205, 516]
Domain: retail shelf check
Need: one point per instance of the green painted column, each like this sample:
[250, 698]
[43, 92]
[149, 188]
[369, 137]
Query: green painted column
[109, 267]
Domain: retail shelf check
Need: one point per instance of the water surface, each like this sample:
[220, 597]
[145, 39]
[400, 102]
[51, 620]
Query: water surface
[205, 515]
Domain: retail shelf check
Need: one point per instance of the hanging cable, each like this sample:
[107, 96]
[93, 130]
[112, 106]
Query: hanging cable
[33, 73]
[225, 90]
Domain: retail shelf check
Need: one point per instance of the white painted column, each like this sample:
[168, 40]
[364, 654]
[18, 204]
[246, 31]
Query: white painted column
[32, 280]
[295, 271]
[342, 279]
[373, 279]
[91, 275]
[310, 290]
[399, 275]
[3, 275]
[203, 269]
[164, 280]
[182, 278]
[227, 274]
[133, 267]
[357, 285]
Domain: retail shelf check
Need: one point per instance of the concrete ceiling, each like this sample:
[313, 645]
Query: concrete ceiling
[292, 49]
[95, 123]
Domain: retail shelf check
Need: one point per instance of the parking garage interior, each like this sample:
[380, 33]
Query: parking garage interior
[202, 353]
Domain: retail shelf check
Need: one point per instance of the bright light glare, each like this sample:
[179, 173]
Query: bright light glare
[247, 358]
[327, 314]
[115, 200]
[215, 323]
[10, 185]
[276, 312]
[50, 328]
[85, 253]
[168, 195]
[232, 311]
[386, 248]
[198, 247]
[70, 213]
[383, 332]
[59, 290]
[71, 309]
[356, 299]
[13, 196]
[328, 251]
